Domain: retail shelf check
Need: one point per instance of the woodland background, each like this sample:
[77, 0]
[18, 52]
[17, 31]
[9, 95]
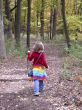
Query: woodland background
[57, 20]
[58, 24]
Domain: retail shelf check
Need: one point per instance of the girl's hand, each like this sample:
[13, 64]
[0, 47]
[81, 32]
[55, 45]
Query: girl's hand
[28, 51]
[48, 67]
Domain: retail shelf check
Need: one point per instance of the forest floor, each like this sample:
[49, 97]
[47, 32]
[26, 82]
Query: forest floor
[62, 91]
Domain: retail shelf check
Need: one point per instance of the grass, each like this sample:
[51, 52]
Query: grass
[75, 51]
[12, 50]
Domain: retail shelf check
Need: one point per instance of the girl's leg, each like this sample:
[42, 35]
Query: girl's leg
[36, 87]
[41, 85]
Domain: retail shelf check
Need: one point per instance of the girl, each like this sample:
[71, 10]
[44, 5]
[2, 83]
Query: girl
[39, 62]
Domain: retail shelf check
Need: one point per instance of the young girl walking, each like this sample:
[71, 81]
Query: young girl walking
[39, 62]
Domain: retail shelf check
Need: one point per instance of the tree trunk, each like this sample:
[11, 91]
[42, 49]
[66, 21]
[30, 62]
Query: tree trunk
[2, 42]
[37, 30]
[65, 23]
[28, 23]
[54, 23]
[80, 8]
[51, 25]
[8, 15]
[37, 15]
[17, 23]
[76, 8]
[42, 20]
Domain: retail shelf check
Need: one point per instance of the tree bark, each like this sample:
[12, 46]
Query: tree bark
[42, 20]
[54, 23]
[51, 24]
[65, 23]
[2, 42]
[17, 22]
[76, 8]
[37, 17]
[9, 17]
[28, 23]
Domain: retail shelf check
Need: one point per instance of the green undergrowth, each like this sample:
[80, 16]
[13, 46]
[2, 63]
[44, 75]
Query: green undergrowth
[75, 51]
[72, 60]
[13, 50]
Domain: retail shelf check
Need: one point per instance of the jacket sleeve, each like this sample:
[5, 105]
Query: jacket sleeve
[30, 56]
[44, 61]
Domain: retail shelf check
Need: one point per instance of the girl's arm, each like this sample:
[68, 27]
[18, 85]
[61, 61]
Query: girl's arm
[30, 56]
[44, 61]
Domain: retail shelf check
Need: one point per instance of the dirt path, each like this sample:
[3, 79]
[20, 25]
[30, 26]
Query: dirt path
[16, 93]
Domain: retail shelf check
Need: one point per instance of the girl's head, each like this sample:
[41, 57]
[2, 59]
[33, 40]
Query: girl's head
[38, 47]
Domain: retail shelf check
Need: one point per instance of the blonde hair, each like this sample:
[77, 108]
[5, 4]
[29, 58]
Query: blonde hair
[38, 47]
